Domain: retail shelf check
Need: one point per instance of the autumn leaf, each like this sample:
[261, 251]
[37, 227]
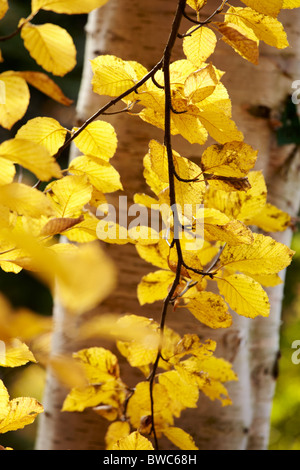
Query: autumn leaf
[265, 7]
[16, 101]
[16, 354]
[199, 45]
[135, 441]
[244, 295]
[112, 76]
[98, 139]
[263, 256]
[180, 438]
[25, 200]
[50, 46]
[46, 85]
[242, 40]
[68, 195]
[101, 174]
[70, 7]
[210, 309]
[43, 131]
[266, 28]
[3, 8]
[196, 4]
[116, 431]
[31, 155]
[154, 286]
[16, 413]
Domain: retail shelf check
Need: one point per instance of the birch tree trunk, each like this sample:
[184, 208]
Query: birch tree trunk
[136, 30]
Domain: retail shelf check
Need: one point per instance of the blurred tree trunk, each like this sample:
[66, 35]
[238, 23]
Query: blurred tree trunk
[138, 31]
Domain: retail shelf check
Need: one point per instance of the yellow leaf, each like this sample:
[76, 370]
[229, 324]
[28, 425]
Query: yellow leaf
[98, 139]
[25, 200]
[154, 286]
[241, 205]
[199, 45]
[266, 280]
[139, 405]
[83, 284]
[3, 8]
[266, 7]
[101, 174]
[232, 159]
[31, 155]
[7, 171]
[200, 84]
[112, 76]
[266, 28]
[16, 100]
[50, 46]
[135, 441]
[180, 438]
[181, 392]
[291, 4]
[70, 7]
[84, 231]
[210, 309]
[116, 431]
[218, 124]
[271, 219]
[16, 413]
[244, 295]
[44, 131]
[44, 84]
[69, 195]
[109, 393]
[99, 364]
[59, 225]
[263, 256]
[233, 232]
[196, 4]
[190, 126]
[16, 354]
[241, 41]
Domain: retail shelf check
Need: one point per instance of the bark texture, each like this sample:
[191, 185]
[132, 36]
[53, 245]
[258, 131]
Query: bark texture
[138, 31]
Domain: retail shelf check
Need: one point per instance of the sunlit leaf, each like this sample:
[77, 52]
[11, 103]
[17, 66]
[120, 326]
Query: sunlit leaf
[44, 131]
[16, 99]
[70, 7]
[98, 139]
[135, 441]
[50, 46]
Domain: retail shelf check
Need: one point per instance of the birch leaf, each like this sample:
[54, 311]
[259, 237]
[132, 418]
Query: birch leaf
[33, 156]
[135, 441]
[154, 286]
[116, 431]
[44, 84]
[18, 412]
[242, 40]
[69, 195]
[210, 309]
[101, 174]
[291, 4]
[16, 102]
[16, 354]
[271, 219]
[263, 256]
[7, 171]
[3, 8]
[59, 225]
[266, 28]
[112, 76]
[200, 84]
[98, 139]
[180, 438]
[50, 46]
[25, 200]
[196, 4]
[200, 45]
[266, 7]
[232, 159]
[70, 7]
[244, 295]
[44, 131]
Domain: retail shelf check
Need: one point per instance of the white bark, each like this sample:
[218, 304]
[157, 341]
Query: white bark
[139, 32]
